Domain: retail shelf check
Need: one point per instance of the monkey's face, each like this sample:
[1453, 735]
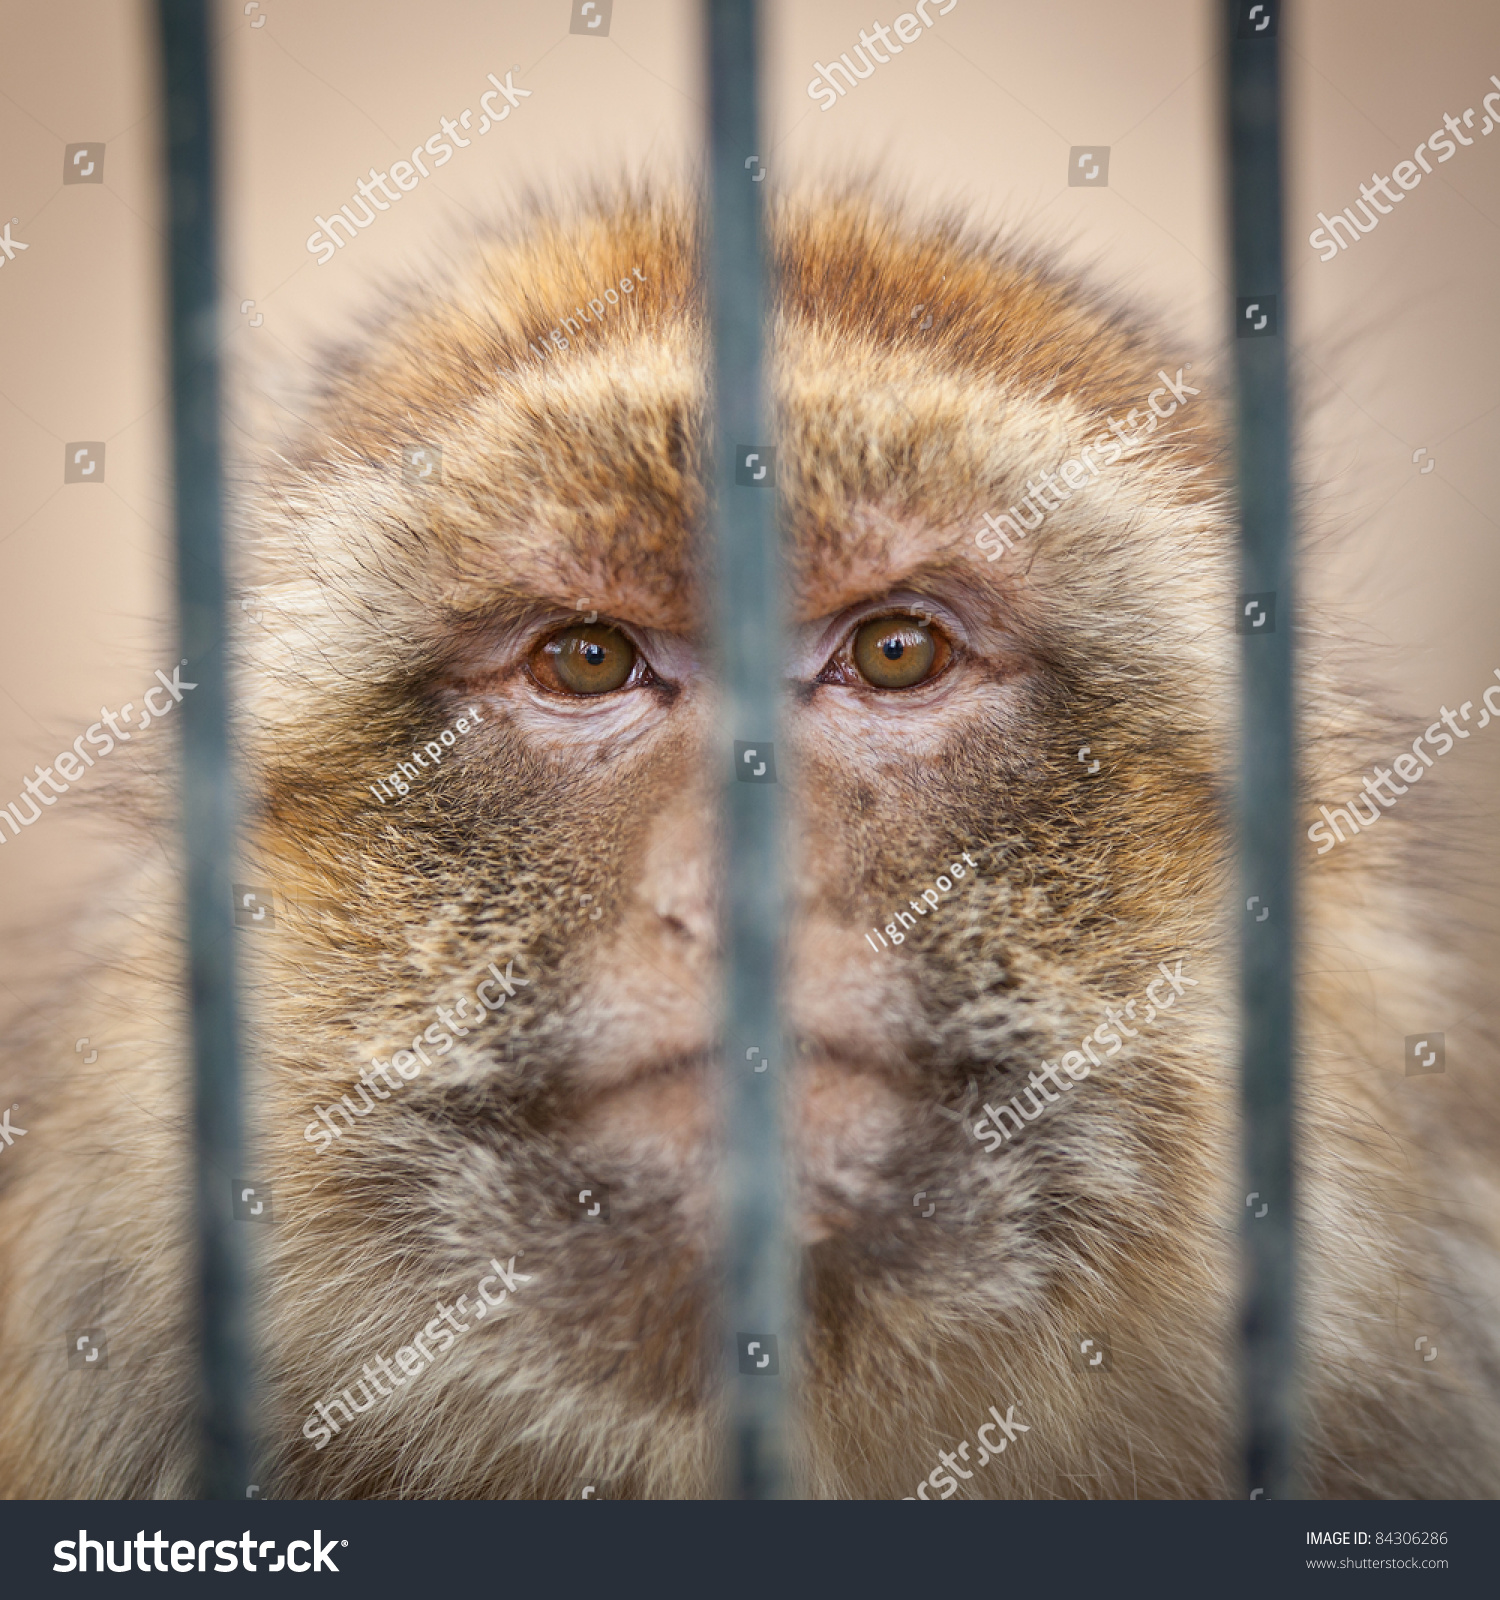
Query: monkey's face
[996, 777]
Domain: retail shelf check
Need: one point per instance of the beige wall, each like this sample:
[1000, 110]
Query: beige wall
[1397, 340]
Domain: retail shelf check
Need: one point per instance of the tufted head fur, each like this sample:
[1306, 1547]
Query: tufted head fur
[571, 844]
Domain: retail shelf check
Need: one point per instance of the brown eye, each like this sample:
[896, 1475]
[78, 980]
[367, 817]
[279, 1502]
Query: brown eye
[585, 660]
[896, 652]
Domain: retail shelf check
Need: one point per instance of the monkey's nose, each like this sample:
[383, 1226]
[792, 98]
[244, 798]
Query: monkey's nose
[677, 887]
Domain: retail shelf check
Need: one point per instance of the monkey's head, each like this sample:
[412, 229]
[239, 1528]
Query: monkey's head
[484, 719]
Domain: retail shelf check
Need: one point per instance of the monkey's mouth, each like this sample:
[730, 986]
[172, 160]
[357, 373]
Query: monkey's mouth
[843, 1119]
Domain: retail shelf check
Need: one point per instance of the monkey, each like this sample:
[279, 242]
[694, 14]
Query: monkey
[493, 998]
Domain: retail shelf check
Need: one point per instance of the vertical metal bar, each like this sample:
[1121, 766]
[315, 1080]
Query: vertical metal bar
[759, 1303]
[1267, 776]
[208, 806]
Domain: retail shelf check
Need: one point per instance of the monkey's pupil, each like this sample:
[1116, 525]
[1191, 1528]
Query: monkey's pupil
[893, 649]
[593, 654]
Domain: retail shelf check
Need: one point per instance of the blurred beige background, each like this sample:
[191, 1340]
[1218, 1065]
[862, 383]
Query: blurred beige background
[1396, 342]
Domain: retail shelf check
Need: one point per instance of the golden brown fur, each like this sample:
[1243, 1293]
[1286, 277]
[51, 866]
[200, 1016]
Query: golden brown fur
[386, 608]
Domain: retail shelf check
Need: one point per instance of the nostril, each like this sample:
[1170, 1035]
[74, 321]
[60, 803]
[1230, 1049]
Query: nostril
[677, 925]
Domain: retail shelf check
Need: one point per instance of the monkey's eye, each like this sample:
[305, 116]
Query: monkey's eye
[592, 659]
[898, 652]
